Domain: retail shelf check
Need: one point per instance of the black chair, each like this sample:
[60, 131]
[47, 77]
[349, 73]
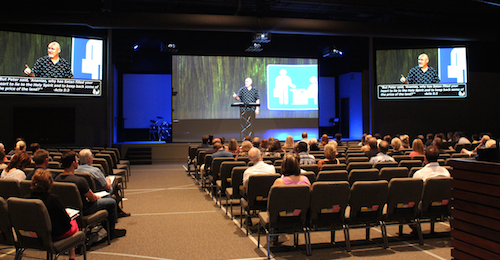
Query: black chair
[436, 198]
[225, 180]
[402, 203]
[359, 165]
[333, 167]
[310, 168]
[287, 211]
[338, 175]
[410, 163]
[363, 175]
[256, 196]
[31, 222]
[327, 208]
[366, 202]
[9, 188]
[6, 235]
[393, 172]
[235, 191]
[380, 165]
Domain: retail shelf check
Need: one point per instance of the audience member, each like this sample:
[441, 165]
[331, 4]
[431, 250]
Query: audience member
[62, 225]
[388, 138]
[324, 140]
[338, 138]
[438, 143]
[304, 138]
[405, 141]
[382, 155]
[17, 164]
[41, 159]
[256, 142]
[418, 148]
[313, 144]
[432, 169]
[220, 151]
[264, 145]
[373, 151]
[259, 167]
[275, 149]
[233, 146]
[204, 142]
[290, 172]
[430, 139]
[211, 150]
[20, 147]
[102, 183]
[2, 161]
[396, 147]
[91, 202]
[304, 156]
[475, 138]
[363, 140]
[460, 138]
[366, 146]
[330, 156]
[245, 147]
[289, 144]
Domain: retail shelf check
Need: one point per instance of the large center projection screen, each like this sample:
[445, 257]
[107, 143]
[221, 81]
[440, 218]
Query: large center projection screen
[205, 86]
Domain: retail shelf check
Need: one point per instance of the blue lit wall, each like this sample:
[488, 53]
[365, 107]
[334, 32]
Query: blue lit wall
[146, 96]
[326, 99]
[350, 87]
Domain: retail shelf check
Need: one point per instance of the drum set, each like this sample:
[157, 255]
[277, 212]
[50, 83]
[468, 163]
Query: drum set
[160, 130]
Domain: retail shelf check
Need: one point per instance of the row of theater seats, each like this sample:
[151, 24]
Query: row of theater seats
[225, 179]
[30, 218]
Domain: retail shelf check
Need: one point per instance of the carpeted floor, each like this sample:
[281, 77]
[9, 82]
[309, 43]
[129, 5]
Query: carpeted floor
[172, 218]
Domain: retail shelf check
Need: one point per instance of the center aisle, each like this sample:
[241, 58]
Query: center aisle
[172, 218]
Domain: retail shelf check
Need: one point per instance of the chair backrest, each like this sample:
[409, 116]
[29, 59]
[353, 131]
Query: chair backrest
[200, 156]
[116, 150]
[419, 157]
[216, 165]
[104, 164]
[113, 155]
[237, 180]
[444, 156]
[398, 158]
[410, 163]
[25, 187]
[287, 206]
[363, 175]
[31, 222]
[278, 162]
[310, 168]
[271, 158]
[413, 170]
[403, 198]
[258, 190]
[367, 200]
[328, 203]
[359, 165]
[380, 165]
[459, 155]
[311, 176]
[69, 193]
[436, 197]
[333, 167]
[393, 172]
[226, 169]
[108, 159]
[192, 153]
[357, 159]
[9, 188]
[89, 178]
[208, 161]
[355, 153]
[337, 175]
[6, 236]
[54, 165]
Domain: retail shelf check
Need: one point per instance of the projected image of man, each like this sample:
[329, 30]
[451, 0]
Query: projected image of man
[248, 94]
[52, 65]
[421, 74]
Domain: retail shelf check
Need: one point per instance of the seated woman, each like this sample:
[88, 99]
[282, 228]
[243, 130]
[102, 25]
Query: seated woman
[62, 225]
[396, 146]
[233, 146]
[324, 140]
[17, 164]
[289, 144]
[418, 148]
[275, 149]
[290, 172]
[330, 156]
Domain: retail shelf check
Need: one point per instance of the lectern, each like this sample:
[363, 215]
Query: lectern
[247, 114]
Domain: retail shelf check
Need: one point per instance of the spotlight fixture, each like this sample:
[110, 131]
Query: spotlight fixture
[135, 46]
[262, 38]
[256, 47]
[332, 52]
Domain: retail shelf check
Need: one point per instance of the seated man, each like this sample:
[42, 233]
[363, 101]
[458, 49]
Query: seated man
[372, 145]
[304, 156]
[91, 202]
[102, 183]
[259, 167]
[432, 169]
[41, 159]
[382, 156]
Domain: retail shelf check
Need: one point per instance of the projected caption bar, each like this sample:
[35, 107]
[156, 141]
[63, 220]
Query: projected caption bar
[50, 86]
[403, 91]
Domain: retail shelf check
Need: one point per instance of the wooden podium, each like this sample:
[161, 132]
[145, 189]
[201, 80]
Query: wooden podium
[247, 114]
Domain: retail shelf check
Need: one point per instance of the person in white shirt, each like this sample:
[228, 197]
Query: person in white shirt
[259, 167]
[432, 169]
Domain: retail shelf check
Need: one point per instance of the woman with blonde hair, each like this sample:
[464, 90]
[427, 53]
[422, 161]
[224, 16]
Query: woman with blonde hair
[396, 146]
[288, 143]
[330, 156]
[418, 148]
